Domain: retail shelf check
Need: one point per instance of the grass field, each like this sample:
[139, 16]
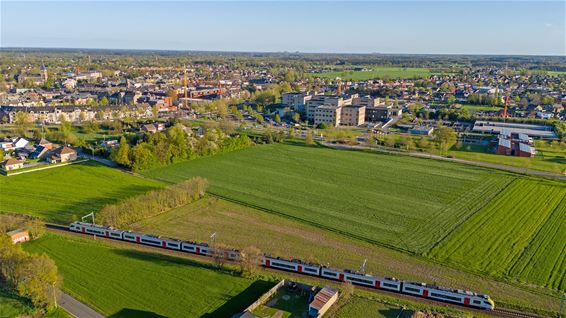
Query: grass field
[520, 233]
[548, 158]
[480, 107]
[377, 72]
[14, 306]
[363, 307]
[240, 226]
[131, 283]
[403, 202]
[59, 194]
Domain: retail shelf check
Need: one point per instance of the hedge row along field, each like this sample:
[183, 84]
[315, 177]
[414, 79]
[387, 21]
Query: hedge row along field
[60, 194]
[520, 234]
[402, 202]
[131, 283]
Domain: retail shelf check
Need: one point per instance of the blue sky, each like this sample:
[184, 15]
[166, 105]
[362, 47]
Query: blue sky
[421, 27]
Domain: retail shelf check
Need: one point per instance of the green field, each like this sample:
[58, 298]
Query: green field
[122, 282]
[402, 202]
[520, 233]
[59, 194]
[377, 72]
[240, 226]
[14, 306]
[363, 307]
[480, 107]
[548, 158]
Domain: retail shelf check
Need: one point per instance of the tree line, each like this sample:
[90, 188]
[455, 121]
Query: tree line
[28, 275]
[152, 203]
[174, 145]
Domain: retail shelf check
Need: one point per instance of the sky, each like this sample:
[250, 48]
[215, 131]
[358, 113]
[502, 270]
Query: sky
[406, 27]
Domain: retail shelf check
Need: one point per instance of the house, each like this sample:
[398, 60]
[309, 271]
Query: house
[149, 128]
[39, 153]
[62, 154]
[322, 301]
[18, 236]
[526, 151]
[12, 164]
[45, 143]
[19, 142]
[503, 147]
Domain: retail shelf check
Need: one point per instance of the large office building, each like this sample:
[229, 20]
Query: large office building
[353, 115]
[296, 100]
[327, 114]
[327, 100]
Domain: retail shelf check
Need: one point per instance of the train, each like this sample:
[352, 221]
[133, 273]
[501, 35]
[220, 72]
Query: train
[455, 296]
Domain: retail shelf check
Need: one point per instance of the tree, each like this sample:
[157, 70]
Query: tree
[142, 157]
[120, 154]
[296, 117]
[445, 138]
[22, 122]
[250, 260]
[103, 101]
[277, 118]
[309, 138]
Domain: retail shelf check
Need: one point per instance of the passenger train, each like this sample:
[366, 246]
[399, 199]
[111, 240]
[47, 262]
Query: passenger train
[461, 297]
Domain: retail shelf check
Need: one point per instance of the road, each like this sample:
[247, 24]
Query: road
[76, 308]
[469, 162]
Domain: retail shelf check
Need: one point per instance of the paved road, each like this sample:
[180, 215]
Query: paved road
[469, 162]
[76, 308]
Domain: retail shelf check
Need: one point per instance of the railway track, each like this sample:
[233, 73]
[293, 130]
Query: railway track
[497, 312]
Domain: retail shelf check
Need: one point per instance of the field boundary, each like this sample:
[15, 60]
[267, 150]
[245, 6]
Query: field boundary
[45, 168]
[457, 225]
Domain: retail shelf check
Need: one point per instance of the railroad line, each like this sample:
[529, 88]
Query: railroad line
[497, 312]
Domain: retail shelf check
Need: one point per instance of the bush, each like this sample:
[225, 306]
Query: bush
[153, 203]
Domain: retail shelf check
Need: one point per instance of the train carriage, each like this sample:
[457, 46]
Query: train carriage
[196, 248]
[387, 283]
[359, 278]
[291, 265]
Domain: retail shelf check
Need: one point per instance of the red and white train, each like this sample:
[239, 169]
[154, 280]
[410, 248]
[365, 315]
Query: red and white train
[461, 297]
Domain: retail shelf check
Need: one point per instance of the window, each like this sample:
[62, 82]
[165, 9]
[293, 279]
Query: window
[150, 241]
[283, 265]
[452, 298]
[309, 270]
[359, 280]
[412, 290]
[130, 237]
[330, 273]
[390, 285]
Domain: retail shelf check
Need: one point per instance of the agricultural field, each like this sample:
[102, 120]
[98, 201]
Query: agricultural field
[402, 202]
[518, 235]
[61, 194]
[376, 73]
[122, 282]
[241, 226]
[549, 157]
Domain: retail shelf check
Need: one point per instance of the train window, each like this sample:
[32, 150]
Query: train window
[390, 285]
[306, 269]
[413, 290]
[477, 302]
[330, 273]
[360, 280]
[283, 265]
[446, 297]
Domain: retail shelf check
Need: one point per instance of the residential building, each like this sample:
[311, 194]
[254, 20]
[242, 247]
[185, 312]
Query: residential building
[18, 236]
[12, 164]
[353, 115]
[327, 114]
[62, 154]
[322, 301]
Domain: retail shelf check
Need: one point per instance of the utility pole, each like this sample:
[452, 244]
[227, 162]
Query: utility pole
[213, 237]
[363, 268]
[54, 294]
